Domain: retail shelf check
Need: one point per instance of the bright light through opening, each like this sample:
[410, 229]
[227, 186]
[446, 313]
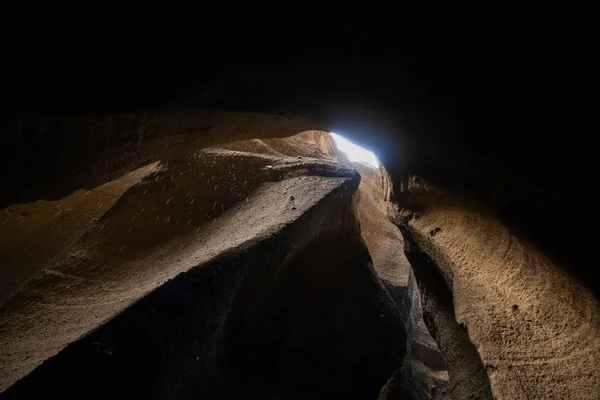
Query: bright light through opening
[354, 152]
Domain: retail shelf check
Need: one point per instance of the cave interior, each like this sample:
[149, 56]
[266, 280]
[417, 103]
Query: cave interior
[178, 221]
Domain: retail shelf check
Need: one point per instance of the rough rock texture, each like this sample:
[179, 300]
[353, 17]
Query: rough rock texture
[49, 157]
[482, 100]
[536, 329]
[466, 375]
[423, 373]
[34, 234]
[257, 225]
[137, 259]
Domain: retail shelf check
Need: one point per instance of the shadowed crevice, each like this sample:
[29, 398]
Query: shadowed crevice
[468, 378]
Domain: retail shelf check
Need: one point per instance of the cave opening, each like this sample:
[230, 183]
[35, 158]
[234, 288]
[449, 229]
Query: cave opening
[354, 151]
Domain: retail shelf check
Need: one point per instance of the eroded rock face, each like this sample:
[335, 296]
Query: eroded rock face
[423, 374]
[213, 254]
[536, 330]
[49, 157]
[216, 272]
[466, 374]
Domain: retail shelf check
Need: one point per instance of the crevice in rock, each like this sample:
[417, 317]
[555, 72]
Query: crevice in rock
[467, 375]
[423, 374]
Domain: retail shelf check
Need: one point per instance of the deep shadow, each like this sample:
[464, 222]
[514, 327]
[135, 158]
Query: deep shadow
[323, 316]
[468, 378]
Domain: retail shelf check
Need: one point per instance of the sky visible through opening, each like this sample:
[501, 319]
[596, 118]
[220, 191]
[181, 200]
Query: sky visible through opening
[354, 152]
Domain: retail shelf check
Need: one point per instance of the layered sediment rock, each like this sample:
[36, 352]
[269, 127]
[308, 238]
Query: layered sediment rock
[535, 328]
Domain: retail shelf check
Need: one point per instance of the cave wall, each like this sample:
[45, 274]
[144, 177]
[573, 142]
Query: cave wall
[535, 327]
[49, 156]
[423, 374]
[215, 271]
[467, 377]
[506, 320]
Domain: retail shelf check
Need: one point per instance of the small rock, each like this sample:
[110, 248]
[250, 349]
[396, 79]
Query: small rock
[292, 198]
[292, 208]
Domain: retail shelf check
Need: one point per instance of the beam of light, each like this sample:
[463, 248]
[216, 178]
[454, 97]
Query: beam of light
[354, 152]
